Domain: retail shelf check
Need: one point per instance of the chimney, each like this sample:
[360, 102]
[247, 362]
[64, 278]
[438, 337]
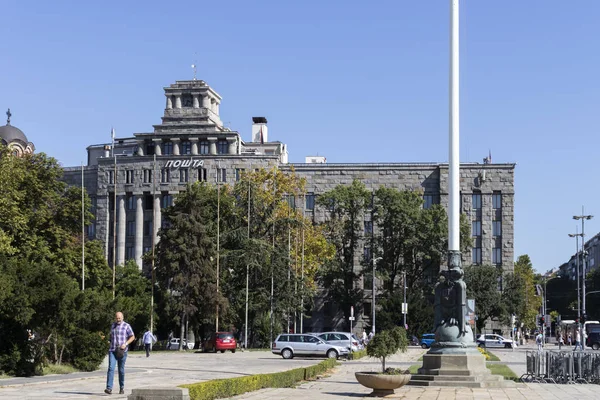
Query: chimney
[106, 151]
[260, 132]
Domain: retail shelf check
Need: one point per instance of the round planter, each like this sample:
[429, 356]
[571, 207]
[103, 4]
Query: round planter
[381, 384]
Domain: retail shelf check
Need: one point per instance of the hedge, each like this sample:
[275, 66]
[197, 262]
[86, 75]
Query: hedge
[355, 355]
[221, 388]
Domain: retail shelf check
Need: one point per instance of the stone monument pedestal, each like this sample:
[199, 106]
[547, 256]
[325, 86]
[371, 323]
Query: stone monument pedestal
[456, 367]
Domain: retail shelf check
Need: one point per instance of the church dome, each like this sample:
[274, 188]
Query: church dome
[9, 134]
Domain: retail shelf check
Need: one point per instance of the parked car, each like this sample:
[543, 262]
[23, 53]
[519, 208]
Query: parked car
[220, 341]
[289, 345]
[345, 339]
[174, 344]
[593, 340]
[493, 340]
[427, 340]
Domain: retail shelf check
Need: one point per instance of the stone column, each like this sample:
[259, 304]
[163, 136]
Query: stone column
[194, 146]
[196, 100]
[212, 145]
[156, 222]
[140, 148]
[217, 104]
[232, 146]
[106, 223]
[139, 230]
[206, 101]
[157, 148]
[121, 230]
[178, 100]
[169, 102]
[175, 142]
[213, 102]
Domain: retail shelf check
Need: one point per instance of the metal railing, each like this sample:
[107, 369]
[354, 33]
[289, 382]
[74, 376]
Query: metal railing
[562, 367]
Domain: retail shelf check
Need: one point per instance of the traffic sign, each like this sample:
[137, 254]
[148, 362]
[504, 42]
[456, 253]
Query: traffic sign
[351, 318]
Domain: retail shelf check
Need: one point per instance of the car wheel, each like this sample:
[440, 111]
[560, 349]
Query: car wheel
[481, 345]
[507, 345]
[233, 350]
[595, 346]
[287, 354]
[423, 346]
[222, 351]
[332, 354]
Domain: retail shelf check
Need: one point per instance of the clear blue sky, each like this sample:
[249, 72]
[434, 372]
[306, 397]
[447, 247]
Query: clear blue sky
[354, 81]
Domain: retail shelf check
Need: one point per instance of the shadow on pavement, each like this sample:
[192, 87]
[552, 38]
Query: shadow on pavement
[346, 394]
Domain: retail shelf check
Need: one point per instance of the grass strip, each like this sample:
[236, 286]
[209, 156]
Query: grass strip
[355, 355]
[52, 369]
[496, 369]
[222, 388]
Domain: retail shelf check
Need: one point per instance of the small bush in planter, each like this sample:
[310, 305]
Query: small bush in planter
[387, 343]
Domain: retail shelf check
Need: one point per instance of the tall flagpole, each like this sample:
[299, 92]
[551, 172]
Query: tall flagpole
[454, 163]
[247, 264]
[218, 241]
[302, 273]
[153, 243]
[82, 232]
[114, 213]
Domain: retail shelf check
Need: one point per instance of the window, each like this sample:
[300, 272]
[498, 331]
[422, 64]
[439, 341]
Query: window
[429, 200]
[130, 202]
[167, 148]
[497, 256]
[167, 200]
[221, 175]
[496, 228]
[129, 176]
[203, 147]
[147, 228]
[368, 281]
[91, 230]
[130, 228]
[148, 175]
[310, 339]
[476, 228]
[291, 201]
[165, 176]
[202, 174]
[476, 255]
[238, 173]
[222, 146]
[368, 227]
[367, 309]
[496, 200]
[310, 201]
[186, 147]
[367, 254]
[184, 175]
[476, 201]
[148, 202]
[129, 253]
[111, 177]
[149, 149]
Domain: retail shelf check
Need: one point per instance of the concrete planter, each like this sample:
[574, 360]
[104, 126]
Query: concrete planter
[381, 384]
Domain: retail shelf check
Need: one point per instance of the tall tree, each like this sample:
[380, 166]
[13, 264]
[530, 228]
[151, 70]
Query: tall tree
[483, 285]
[346, 205]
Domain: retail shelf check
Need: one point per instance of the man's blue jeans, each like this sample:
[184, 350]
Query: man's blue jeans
[112, 360]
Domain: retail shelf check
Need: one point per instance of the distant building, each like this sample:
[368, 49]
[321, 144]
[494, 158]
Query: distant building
[191, 144]
[592, 259]
[14, 138]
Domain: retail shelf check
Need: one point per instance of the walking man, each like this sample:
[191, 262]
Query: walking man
[577, 340]
[121, 335]
[539, 339]
[149, 339]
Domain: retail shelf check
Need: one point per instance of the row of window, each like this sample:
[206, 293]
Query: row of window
[185, 148]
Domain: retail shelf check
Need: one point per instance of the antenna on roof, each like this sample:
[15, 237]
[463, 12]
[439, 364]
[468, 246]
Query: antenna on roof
[194, 64]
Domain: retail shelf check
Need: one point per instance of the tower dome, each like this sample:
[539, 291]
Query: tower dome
[14, 138]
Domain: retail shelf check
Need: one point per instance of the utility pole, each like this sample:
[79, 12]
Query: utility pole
[576, 236]
[583, 217]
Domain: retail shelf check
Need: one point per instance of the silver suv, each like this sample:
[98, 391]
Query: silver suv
[289, 345]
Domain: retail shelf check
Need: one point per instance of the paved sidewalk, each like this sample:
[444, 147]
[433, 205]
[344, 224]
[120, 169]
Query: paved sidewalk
[342, 384]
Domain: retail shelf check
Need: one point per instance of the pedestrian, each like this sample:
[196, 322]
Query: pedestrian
[371, 334]
[569, 339]
[577, 340]
[149, 339]
[364, 337]
[561, 341]
[539, 340]
[121, 335]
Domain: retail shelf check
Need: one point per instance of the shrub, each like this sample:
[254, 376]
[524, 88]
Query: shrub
[355, 355]
[89, 350]
[387, 343]
[221, 388]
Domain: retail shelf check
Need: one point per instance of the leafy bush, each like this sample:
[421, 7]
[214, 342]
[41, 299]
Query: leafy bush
[222, 388]
[387, 343]
[89, 350]
[355, 355]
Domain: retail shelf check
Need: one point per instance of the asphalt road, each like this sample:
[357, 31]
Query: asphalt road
[160, 369]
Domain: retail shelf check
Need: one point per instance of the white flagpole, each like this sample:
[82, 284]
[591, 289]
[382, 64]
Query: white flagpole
[82, 232]
[454, 163]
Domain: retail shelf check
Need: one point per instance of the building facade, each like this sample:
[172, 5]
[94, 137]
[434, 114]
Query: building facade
[191, 144]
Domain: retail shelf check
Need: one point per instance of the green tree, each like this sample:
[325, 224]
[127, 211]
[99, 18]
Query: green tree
[483, 285]
[346, 205]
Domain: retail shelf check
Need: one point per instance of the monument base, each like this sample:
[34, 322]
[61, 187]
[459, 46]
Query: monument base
[453, 367]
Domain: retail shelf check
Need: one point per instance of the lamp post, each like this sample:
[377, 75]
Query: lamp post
[544, 308]
[576, 236]
[583, 217]
[373, 290]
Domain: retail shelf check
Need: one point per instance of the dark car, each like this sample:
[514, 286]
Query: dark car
[593, 340]
[427, 340]
[220, 341]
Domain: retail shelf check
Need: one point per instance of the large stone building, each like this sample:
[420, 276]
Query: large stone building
[191, 144]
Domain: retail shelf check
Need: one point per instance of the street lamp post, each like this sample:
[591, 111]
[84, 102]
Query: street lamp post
[373, 290]
[576, 236]
[583, 217]
[544, 308]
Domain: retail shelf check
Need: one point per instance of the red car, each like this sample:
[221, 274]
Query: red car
[220, 341]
